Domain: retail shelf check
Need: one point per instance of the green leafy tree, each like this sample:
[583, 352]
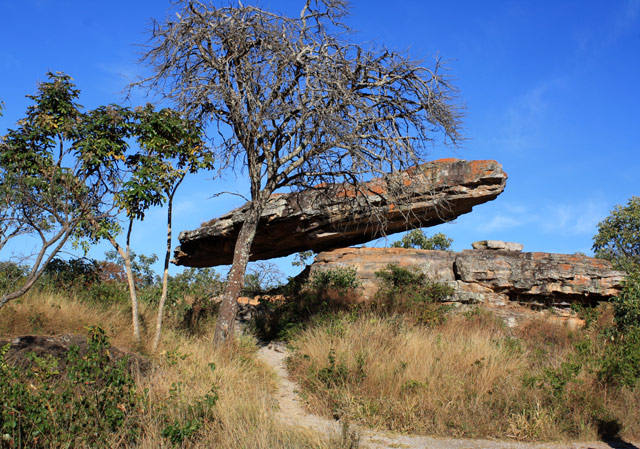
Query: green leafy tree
[170, 147]
[68, 174]
[618, 237]
[296, 106]
[56, 172]
[618, 240]
[417, 239]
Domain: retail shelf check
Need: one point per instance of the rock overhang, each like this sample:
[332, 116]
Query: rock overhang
[433, 193]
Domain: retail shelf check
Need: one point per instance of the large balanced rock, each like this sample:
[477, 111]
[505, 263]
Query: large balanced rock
[333, 217]
[487, 276]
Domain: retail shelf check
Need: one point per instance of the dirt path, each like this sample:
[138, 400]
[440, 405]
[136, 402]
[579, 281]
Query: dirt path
[292, 412]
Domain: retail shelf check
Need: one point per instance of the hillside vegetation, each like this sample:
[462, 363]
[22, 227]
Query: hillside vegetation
[192, 397]
[467, 377]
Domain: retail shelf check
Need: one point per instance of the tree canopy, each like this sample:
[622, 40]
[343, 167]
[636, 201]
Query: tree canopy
[68, 174]
[417, 239]
[56, 170]
[618, 237]
[295, 104]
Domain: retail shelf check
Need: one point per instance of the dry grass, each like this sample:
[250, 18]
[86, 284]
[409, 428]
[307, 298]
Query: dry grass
[467, 377]
[243, 416]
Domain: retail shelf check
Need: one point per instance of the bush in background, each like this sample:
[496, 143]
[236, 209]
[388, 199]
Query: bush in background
[418, 240]
[11, 274]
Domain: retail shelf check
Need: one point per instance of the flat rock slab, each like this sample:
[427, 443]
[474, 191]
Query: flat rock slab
[334, 217]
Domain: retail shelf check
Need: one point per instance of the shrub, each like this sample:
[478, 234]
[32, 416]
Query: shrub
[11, 274]
[88, 403]
[73, 273]
[411, 292]
[342, 279]
[627, 304]
[305, 300]
[417, 239]
[620, 364]
[618, 237]
[194, 414]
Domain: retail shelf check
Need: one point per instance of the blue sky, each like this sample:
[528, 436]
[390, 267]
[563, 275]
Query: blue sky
[550, 89]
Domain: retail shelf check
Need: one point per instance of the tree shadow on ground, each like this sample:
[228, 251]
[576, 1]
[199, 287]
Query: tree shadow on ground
[609, 430]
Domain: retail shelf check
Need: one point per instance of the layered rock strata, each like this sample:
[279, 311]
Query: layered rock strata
[493, 277]
[334, 216]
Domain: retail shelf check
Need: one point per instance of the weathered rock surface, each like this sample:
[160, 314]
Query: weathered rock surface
[494, 277]
[433, 193]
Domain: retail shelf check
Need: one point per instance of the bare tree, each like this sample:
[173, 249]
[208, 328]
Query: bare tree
[295, 104]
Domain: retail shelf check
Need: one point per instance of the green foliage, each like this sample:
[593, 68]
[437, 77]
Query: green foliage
[72, 273]
[45, 406]
[11, 274]
[417, 239]
[170, 147]
[282, 320]
[195, 282]
[334, 373]
[140, 265]
[621, 362]
[87, 279]
[301, 259]
[627, 303]
[341, 279]
[305, 301]
[409, 291]
[57, 169]
[193, 414]
[618, 237]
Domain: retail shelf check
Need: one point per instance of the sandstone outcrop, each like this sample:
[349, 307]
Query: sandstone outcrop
[318, 220]
[492, 277]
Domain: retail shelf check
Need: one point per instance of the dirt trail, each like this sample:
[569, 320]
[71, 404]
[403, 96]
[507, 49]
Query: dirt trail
[292, 412]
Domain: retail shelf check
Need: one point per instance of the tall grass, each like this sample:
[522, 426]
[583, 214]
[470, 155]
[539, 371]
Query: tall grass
[469, 377]
[187, 369]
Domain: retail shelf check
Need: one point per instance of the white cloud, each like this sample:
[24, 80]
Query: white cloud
[501, 222]
[521, 122]
[580, 218]
[577, 218]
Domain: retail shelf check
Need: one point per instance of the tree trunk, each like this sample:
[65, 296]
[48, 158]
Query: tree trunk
[38, 266]
[165, 275]
[134, 298]
[235, 280]
[126, 257]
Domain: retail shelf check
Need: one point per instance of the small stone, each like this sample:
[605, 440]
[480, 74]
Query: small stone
[497, 245]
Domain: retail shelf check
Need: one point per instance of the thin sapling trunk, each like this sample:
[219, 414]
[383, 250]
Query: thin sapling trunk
[165, 275]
